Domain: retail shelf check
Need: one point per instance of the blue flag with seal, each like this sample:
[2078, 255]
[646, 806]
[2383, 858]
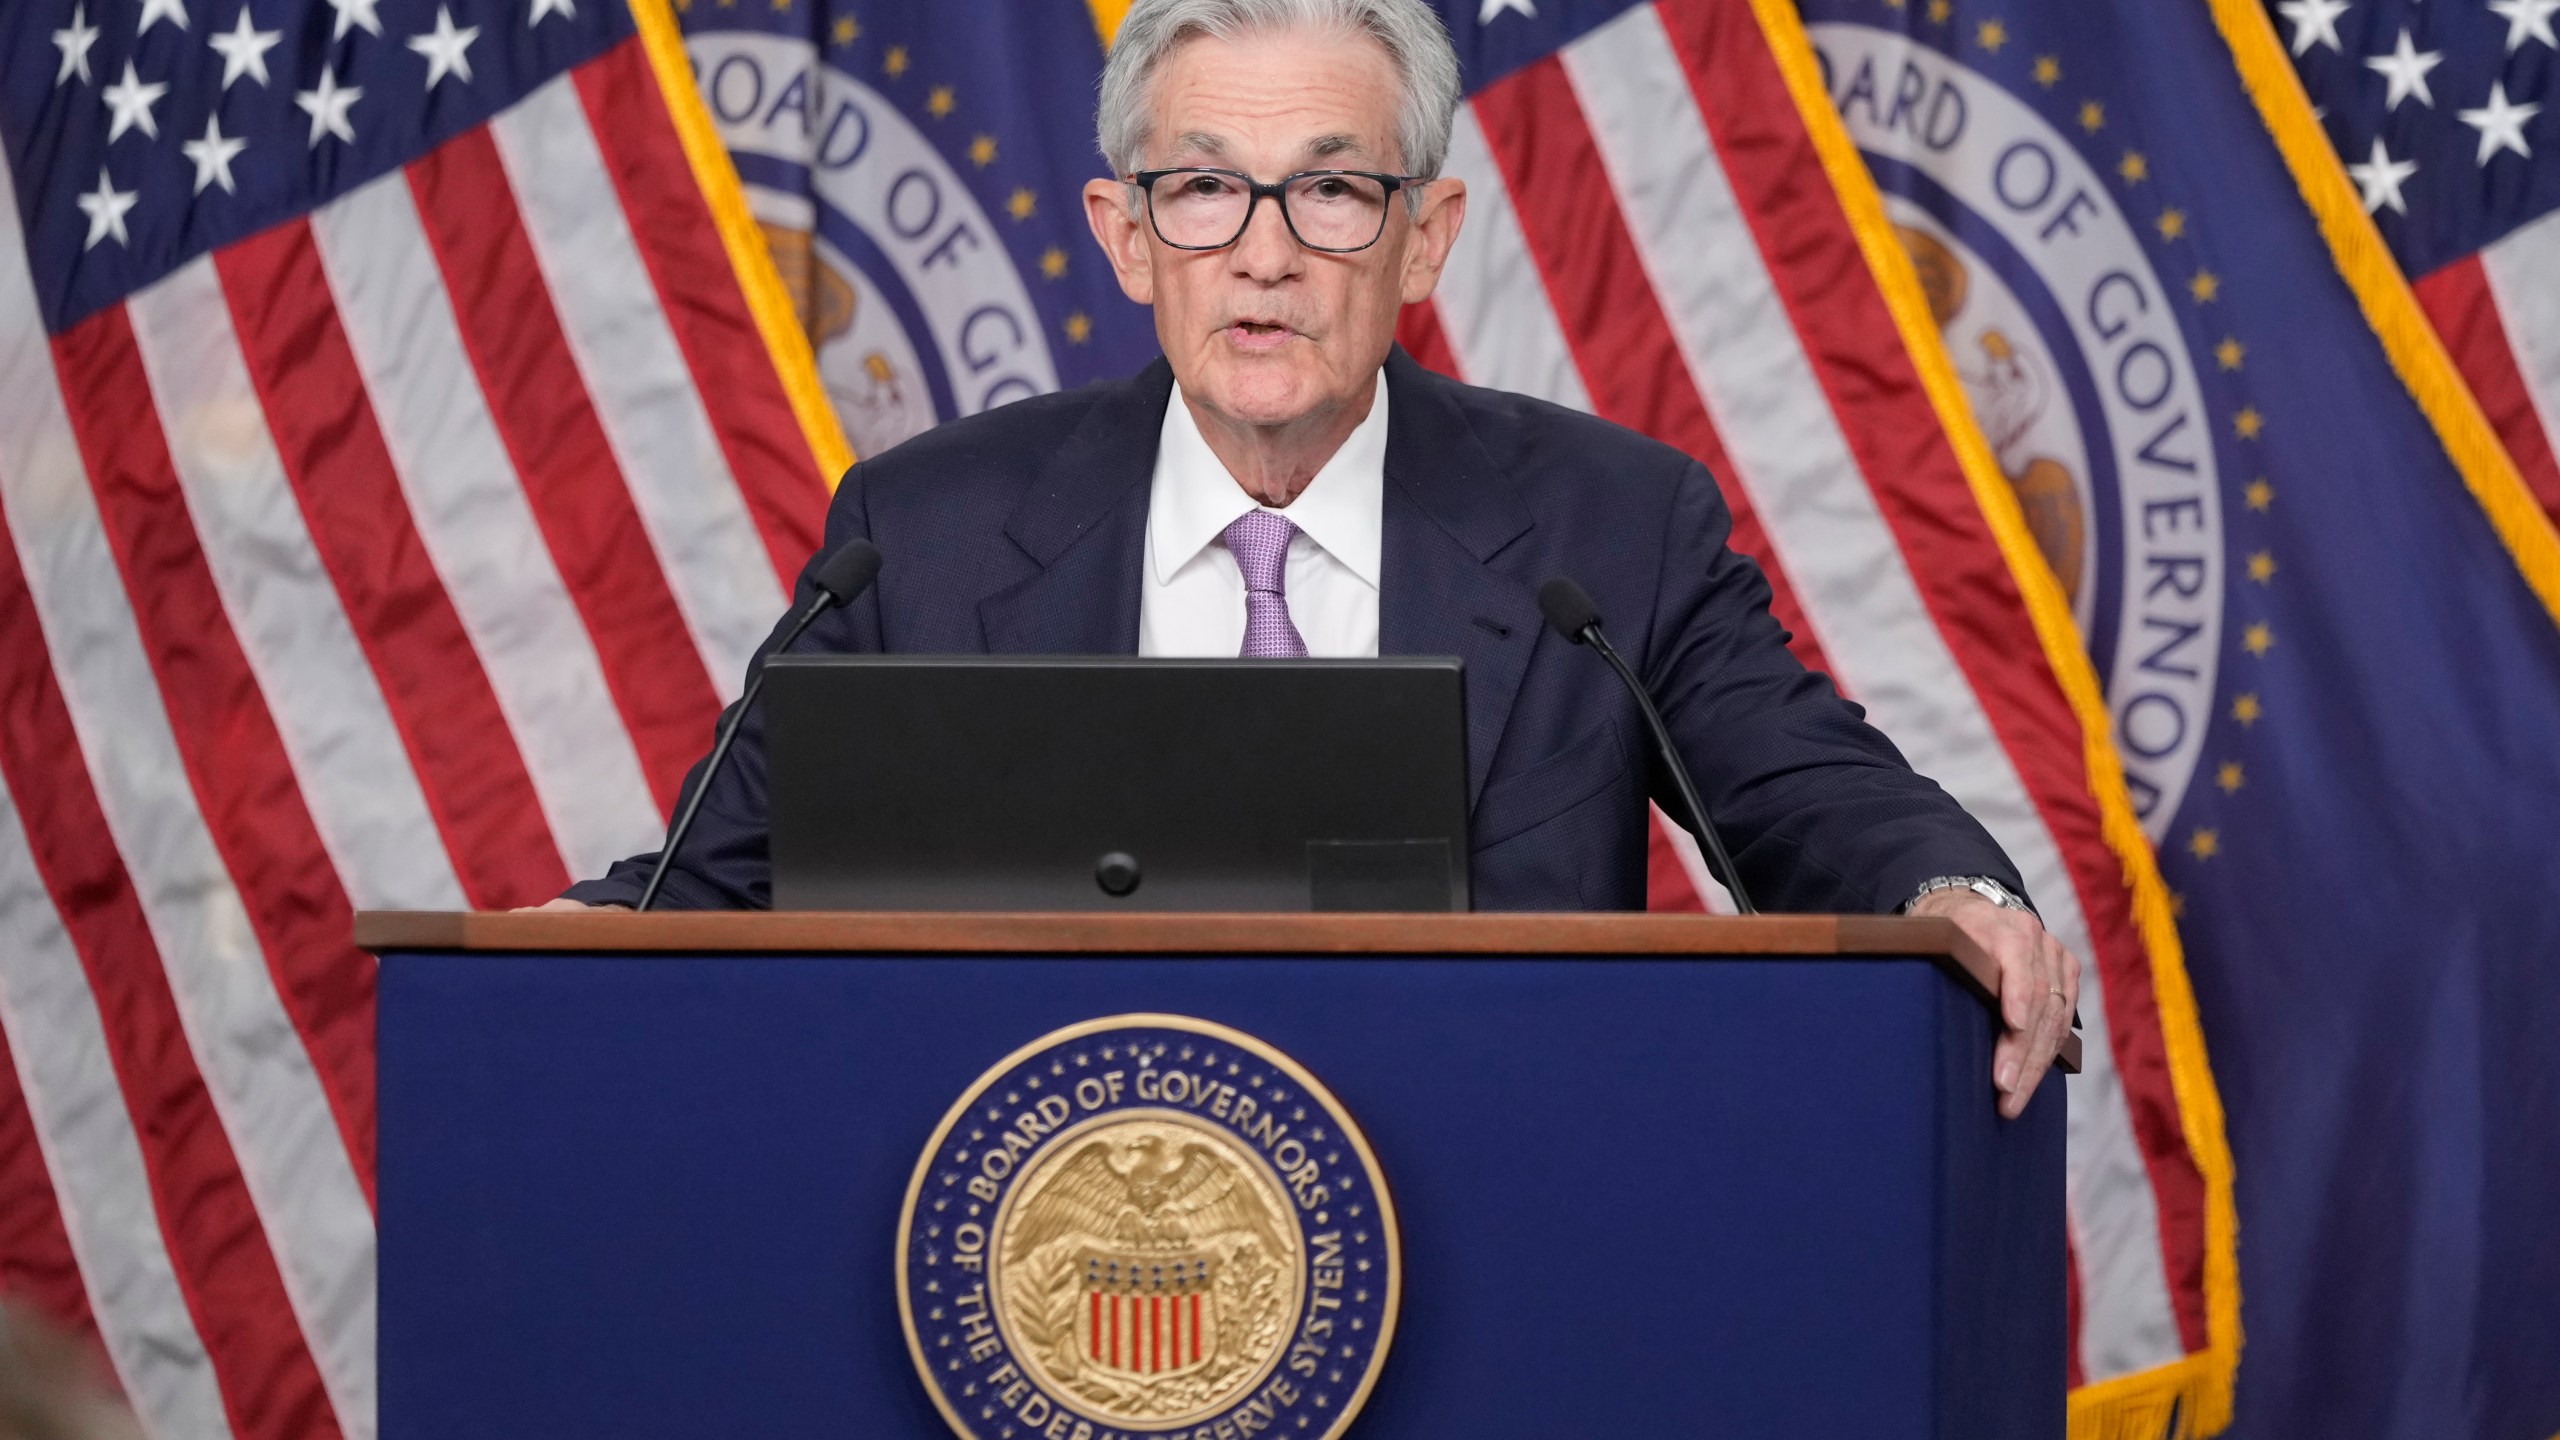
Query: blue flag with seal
[2337, 697]
[917, 167]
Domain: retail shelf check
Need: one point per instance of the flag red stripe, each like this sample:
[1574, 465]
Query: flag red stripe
[1155, 1333]
[1095, 1297]
[244, 784]
[439, 695]
[561, 455]
[36, 1263]
[217, 1244]
[1115, 1331]
[1195, 1327]
[2458, 303]
[1964, 581]
[698, 291]
[1418, 329]
[1604, 301]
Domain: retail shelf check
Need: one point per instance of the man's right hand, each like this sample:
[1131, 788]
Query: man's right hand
[565, 903]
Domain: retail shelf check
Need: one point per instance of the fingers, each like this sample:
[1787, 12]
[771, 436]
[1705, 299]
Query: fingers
[2056, 980]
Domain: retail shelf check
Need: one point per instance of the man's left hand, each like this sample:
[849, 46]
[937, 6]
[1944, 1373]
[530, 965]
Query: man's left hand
[2039, 988]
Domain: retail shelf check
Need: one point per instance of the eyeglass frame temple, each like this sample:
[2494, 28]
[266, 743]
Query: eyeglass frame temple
[1145, 180]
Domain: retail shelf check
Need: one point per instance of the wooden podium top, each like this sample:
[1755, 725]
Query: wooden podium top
[994, 932]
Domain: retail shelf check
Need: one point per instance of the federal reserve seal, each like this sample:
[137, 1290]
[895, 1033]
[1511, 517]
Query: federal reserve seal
[1147, 1225]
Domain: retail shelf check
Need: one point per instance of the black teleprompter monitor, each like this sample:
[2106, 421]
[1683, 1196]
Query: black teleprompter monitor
[903, 782]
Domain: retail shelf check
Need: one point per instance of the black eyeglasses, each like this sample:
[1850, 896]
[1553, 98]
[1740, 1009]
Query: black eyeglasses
[1336, 211]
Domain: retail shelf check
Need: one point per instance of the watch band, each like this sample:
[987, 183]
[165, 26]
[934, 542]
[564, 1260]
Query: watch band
[1982, 885]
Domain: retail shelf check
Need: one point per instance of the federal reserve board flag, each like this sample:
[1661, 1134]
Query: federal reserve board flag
[396, 470]
[2333, 688]
[1665, 228]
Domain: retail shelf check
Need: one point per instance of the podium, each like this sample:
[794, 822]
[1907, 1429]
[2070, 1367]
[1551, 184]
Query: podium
[643, 1175]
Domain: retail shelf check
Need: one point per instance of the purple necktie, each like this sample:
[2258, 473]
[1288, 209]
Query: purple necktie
[1260, 542]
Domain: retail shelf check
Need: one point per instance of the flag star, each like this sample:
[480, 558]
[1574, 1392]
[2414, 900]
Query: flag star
[74, 44]
[243, 49]
[444, 47]
[2501, 125]
[2315, 22]
[129, 102]
[2380, 178]
[106, 207]
[2406, 69]
[1491, 8]
[155, 11]
[2526, 20]
[565, 9]
[327, 105]
[213, 155]
[352, 13]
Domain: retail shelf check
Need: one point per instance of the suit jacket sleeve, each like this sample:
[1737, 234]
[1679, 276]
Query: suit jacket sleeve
[723, 864]
[1819, 809]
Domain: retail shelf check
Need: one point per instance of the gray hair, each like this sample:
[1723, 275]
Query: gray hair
[1413, 36]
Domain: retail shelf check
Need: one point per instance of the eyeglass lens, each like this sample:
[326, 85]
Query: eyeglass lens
[1204, 209]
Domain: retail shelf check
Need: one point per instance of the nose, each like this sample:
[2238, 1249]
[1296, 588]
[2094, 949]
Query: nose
[1266, 253]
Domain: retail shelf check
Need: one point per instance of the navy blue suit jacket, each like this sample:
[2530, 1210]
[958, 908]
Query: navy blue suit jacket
[1022, 531]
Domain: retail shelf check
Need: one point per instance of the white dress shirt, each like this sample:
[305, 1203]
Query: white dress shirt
[1192, 600]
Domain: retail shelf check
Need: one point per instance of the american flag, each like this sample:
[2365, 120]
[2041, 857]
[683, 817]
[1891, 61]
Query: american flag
[394, 478]
[2446, 121]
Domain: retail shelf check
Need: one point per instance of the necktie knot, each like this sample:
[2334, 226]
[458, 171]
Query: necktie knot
[1260, 542]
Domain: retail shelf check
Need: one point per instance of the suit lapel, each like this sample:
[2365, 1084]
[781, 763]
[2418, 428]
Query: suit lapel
[1083, 521]
[1449, 511]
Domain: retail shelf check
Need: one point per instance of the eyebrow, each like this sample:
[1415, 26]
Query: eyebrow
[1205, 145]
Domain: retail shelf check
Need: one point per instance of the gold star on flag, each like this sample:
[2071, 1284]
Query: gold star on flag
[1079, 329]
[938, 104]
[1053, 263]
[2173, 223]
[2262, 566]
[2258, 639]
[780, 5]
[2205, 844]
[1021, 205]
[2228, 777]
[2048, 71]
[2133, 167]
[1939, 10]
[895, 62]
[2092, 115]
[982, 151]
[2247, 710]
[846, 30]
[2230, 352]
[1896, 4]
[1991, 35]
[2259, 494]
[2248, 422]
[2205, 287]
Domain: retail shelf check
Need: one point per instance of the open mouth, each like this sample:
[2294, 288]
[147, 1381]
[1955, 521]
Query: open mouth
[1258, 334]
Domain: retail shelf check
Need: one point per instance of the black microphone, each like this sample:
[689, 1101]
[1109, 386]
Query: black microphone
[840, 577]
[1570, 611]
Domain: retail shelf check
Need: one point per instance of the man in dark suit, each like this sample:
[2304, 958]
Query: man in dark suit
[1286, 482]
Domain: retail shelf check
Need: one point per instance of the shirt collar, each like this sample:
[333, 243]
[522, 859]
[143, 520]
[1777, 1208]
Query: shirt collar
[1194, 499]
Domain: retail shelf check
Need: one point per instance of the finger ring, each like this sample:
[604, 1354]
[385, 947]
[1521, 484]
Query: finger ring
[2055, 992]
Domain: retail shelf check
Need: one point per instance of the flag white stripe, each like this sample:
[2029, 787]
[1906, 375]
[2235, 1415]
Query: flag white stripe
[653, 415]
[1838, 552]
[87, 1138]
[478, 528]
[252, 1059]
[2520, 270]
[348, 760]
[1493, 304]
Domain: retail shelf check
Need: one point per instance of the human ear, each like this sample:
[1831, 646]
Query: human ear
[1122, 234]
[1444, 209]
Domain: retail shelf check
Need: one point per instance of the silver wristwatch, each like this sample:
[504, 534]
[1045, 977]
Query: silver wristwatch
[1982, 885]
